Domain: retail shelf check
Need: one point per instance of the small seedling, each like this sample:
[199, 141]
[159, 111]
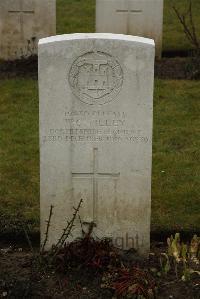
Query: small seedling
[181, 257]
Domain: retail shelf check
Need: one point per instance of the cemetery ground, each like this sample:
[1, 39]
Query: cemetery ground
[175, 182]
[175, 193]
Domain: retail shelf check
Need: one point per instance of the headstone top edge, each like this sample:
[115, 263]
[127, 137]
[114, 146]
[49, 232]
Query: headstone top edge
[105, 36]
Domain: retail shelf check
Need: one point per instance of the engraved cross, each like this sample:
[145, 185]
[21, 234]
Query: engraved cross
[129, 13]
[21, 11]
[95, 175]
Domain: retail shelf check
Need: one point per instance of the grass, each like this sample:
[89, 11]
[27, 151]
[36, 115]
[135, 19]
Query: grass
[79, 16]
[19, 164]
[176, 156]
[75, 16]
[176, 165]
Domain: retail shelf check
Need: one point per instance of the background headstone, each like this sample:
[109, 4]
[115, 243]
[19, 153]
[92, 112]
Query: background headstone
[96, 111]
[22, 24]
[135, 17]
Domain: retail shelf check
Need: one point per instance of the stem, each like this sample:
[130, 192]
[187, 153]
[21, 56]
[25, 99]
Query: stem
[47, 229]
[67, 230]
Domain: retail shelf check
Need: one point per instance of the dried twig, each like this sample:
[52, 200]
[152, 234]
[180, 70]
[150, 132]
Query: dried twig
[189, 29]
[196, 42]
[47, 229]
[67, 230]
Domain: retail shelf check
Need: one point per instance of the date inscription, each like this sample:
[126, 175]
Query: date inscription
[96, 126]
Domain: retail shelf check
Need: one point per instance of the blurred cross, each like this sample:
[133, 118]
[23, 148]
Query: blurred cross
[21, 11]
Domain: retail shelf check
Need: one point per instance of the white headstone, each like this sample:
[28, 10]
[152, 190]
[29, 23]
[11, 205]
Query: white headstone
[96, 111]
[134, 17]
[22, 24]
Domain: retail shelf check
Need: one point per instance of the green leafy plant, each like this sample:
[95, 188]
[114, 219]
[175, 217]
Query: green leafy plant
[181, 257]
[165, 263]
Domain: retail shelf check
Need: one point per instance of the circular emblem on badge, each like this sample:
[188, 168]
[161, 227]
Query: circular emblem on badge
[96, 78]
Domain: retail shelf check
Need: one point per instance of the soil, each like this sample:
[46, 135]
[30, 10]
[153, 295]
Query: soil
[21, 277]
[172, 68]
[19, 68]
[166, 68]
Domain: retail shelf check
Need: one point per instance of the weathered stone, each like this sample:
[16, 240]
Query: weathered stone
[96, 111]
[22, 24]
[135, 17]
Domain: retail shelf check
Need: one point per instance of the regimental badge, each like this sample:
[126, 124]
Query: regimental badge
[96, 78]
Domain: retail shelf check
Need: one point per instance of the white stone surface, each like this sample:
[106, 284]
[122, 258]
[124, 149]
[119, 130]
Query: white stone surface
[22, 24]
[135, 17]
[96, 111]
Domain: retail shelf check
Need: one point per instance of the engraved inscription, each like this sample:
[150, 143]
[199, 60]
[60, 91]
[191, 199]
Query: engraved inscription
[96, 126]
[96, 78]
[95, 175]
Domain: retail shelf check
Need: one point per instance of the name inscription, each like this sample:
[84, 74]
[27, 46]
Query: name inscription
[95, 126]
